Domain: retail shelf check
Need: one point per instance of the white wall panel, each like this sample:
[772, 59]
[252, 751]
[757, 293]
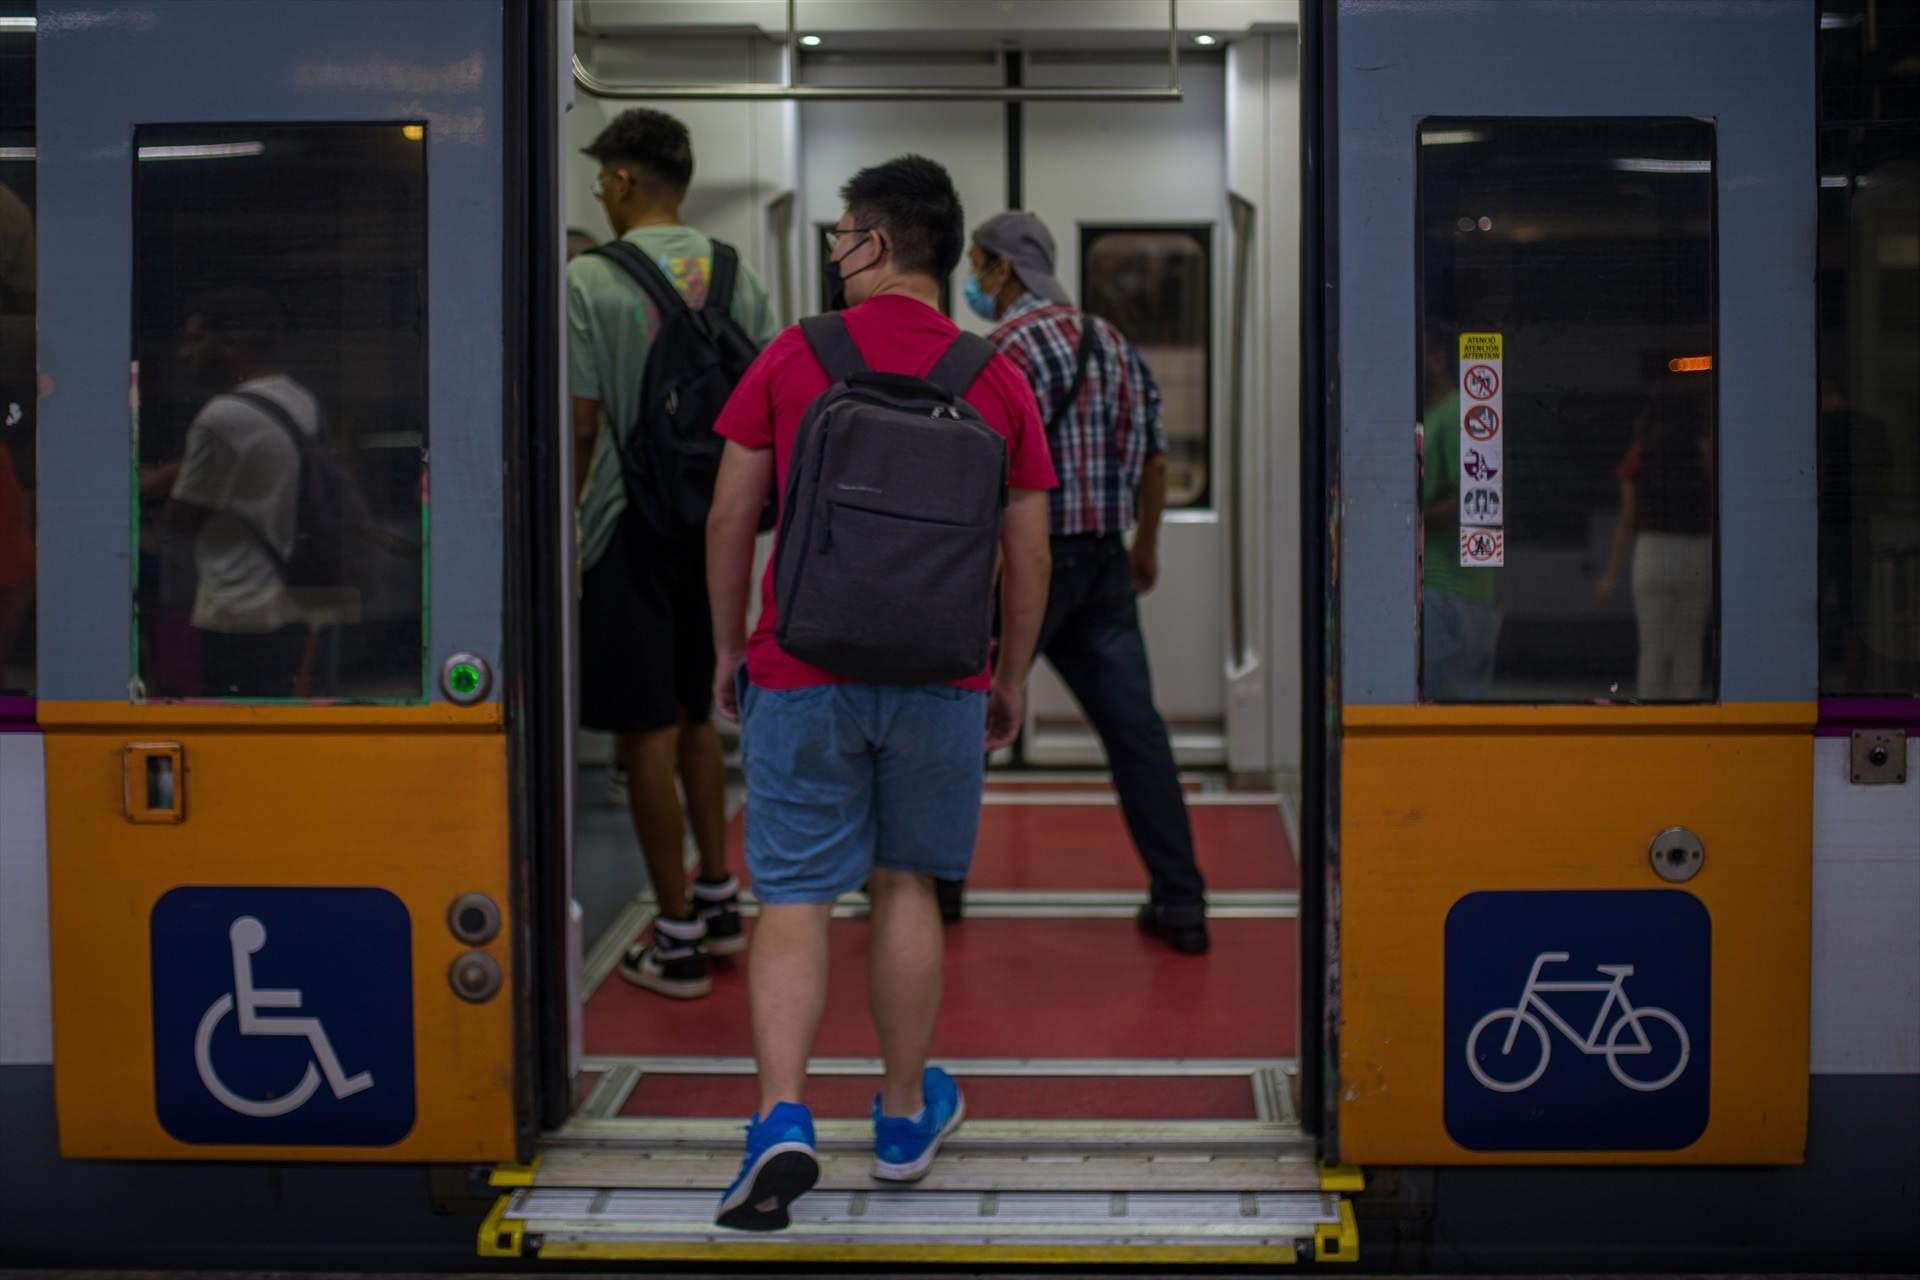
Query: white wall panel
[26, 992]
[1866, 918]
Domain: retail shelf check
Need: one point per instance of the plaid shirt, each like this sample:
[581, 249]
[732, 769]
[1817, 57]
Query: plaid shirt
[1103, 442]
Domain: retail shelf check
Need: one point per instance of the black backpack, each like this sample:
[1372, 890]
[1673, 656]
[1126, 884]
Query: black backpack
[671, 454]
[891, 522]
[331, 524]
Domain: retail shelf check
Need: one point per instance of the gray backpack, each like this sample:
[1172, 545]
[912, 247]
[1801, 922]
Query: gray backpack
[891, 521]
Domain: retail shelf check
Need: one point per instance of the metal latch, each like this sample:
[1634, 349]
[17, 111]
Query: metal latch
[154, 782]
[1879, 757]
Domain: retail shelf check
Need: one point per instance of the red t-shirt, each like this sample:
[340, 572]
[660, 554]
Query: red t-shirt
[895, 334]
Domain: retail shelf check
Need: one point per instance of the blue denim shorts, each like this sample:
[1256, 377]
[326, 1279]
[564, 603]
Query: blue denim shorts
[842, 778]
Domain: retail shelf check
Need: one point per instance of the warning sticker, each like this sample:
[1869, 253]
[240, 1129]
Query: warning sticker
[1482, 479]
[1483, 548]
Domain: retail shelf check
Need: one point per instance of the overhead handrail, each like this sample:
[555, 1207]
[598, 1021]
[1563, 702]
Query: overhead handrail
[790, 91]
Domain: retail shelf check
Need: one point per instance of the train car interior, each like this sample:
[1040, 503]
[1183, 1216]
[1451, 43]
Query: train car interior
[1175, 214]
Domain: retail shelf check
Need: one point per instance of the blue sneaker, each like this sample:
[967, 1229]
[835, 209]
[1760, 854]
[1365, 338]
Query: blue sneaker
[903, 1149]
[779, 1168]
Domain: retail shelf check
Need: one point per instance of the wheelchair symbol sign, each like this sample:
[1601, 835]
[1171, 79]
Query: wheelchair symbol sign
[283, 1016]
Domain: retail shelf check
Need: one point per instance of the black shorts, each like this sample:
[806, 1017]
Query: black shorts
[646, 639]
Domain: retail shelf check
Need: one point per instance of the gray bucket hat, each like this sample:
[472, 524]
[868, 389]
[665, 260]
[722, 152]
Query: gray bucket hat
[1023, 240]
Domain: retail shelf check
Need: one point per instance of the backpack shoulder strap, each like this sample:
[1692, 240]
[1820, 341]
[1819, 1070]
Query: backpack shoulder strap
[1081, 360]
[726, 270]
[647, 274]
[962, 364]
[833, 346]
[276, 411]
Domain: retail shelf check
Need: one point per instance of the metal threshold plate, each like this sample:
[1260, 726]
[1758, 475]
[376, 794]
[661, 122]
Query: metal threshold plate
[925, 1222]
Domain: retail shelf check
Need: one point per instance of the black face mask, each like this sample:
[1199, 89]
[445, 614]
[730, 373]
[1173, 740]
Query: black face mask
[838, 302]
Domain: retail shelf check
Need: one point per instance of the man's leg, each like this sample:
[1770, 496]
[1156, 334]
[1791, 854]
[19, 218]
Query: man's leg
[703, 773]
[657, 817]
[787, 993]
[904, 952]
[1101, 655]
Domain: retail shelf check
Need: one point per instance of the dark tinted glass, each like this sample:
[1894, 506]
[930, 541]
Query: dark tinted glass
[19, 392]
[280, 346]
[1156, 286]
[1869, 298]
[1566, 410]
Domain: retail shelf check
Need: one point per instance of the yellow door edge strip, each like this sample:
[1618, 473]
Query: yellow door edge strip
[1042, 1255]
[145, 717]
[1342, 1177]
[1338, 1242]
[1731, 715]
[501, 1236]
[515, 1175]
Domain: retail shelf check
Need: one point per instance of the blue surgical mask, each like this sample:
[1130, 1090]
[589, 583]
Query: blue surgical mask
[977, 299]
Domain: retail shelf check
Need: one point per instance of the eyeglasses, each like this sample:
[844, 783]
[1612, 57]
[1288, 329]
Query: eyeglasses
[832, 236]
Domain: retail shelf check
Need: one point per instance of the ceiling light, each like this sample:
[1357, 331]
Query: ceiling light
[18, 24]
[413, 132]
[1450, 137]
[1206, 40]
[1641, 164]
[812, 42]
[1839, 21]
[16, 153]
[213, 151]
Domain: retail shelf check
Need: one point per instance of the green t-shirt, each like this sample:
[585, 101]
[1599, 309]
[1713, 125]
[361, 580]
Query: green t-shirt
[1440, 478]
[610, 327]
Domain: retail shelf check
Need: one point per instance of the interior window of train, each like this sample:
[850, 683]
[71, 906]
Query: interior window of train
[280, 411]
[1869, 355]
[1155, 284]
[19, 390]
[1564, 411]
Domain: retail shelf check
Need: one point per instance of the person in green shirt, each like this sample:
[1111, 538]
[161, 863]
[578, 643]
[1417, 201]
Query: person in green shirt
[1459, 623]
[646, 638]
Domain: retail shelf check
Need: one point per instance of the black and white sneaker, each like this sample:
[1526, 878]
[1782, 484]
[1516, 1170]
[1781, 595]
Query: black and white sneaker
[672, 964]
[716, 904]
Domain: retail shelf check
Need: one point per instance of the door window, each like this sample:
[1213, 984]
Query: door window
[1566, 437]
[19, 389]
[280, 414]
[1156, 286]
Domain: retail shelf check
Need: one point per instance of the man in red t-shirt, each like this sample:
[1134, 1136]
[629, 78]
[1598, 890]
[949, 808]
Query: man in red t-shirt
[853, 783]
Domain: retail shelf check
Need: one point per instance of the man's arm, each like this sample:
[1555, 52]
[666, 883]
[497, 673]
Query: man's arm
[586, 430]
[1145, 554]
[738, 493]
[1023, 604]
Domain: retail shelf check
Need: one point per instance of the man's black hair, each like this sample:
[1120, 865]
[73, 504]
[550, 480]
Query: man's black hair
[247, 317]
[914, 200]
[653, 142]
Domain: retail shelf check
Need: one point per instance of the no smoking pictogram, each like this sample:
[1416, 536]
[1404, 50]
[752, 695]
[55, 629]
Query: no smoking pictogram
[1481, 422]
[1481, 381]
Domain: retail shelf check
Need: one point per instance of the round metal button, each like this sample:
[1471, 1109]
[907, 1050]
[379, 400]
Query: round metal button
[474, 976]
[1677, 854]
[474, 919]
[466, 679]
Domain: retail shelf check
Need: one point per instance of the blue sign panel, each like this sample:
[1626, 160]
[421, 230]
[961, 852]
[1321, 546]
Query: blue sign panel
[1577, 1021]
[283, 1016]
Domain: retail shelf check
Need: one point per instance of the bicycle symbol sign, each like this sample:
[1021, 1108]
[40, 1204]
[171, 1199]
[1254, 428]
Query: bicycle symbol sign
[283, 1016]
[1577, 1020]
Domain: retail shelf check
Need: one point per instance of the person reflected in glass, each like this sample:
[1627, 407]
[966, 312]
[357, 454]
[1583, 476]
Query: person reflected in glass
[1459, 620]
[236, 493]
[17, 398]
[1666, 520]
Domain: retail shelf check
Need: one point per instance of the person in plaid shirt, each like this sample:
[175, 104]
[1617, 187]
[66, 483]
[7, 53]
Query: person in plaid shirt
[1103, 426]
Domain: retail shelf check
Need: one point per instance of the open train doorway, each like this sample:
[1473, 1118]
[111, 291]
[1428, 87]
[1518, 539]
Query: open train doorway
[1122, 1096]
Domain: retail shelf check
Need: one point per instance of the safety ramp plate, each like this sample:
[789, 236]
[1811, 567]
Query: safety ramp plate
[989, 1199]
[932, 1226]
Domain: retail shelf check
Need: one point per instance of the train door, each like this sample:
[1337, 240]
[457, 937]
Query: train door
[271, 662]
[1575, 581]
[1127, 1104]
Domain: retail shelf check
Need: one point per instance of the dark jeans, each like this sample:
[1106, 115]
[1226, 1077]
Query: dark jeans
[1091, 635]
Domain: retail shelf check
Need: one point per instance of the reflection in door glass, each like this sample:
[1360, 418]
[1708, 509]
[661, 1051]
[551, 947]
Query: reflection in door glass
[1155, 287]
[1567, 410]
[280, 410]
[19, 393]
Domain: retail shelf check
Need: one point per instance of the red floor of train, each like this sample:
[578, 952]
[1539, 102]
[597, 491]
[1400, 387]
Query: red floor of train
[1086, 847]
[1001, 1097]
[1015, 988]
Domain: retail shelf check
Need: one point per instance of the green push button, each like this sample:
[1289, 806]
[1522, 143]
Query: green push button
[465, 679]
